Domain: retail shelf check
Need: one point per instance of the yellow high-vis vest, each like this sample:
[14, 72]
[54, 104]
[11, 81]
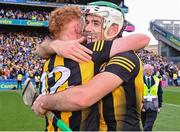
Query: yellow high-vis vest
[37, 78]
[153, 89]
[19, 77]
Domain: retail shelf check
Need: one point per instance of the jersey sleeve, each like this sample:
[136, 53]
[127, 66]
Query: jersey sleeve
[101, 50]
[124, 65]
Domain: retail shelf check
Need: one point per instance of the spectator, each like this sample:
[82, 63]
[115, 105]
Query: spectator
[152, 98]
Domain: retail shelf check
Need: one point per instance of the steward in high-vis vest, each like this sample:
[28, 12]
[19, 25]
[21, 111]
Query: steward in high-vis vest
[19, 80]
[152, 98]
[37, 80]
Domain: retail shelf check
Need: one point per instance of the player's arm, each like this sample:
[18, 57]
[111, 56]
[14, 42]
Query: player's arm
[71, 49]
[44, 50]
[79, 97]
[131, 42]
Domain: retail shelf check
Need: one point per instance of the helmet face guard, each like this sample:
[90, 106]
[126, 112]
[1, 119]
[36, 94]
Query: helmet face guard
[110, 16]
[82, 23]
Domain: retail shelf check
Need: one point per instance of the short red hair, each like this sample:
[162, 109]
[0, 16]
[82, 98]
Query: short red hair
[61, 17]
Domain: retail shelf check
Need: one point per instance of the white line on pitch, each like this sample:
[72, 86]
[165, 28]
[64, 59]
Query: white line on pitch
[172, 104]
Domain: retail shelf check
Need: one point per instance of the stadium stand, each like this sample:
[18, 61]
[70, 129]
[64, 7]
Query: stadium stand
[166, 69]
[22, 27]
[16, 52]
[167, 32]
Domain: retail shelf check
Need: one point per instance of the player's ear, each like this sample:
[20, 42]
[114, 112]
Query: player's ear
[113, 30]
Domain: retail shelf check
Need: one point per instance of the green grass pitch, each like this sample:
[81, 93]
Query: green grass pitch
[15, 116]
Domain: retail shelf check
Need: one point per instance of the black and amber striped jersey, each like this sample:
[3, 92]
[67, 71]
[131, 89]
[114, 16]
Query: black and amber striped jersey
[120, 110]
[61, 73]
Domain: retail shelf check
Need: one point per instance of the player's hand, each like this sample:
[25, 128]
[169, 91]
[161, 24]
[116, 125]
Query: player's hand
[43, 50]
[37, 106]
[159, 110]
[72, 49]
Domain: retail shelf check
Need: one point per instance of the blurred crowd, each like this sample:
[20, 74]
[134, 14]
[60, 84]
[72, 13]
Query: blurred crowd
[16, 55]
[167, 70]
[12, 13]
